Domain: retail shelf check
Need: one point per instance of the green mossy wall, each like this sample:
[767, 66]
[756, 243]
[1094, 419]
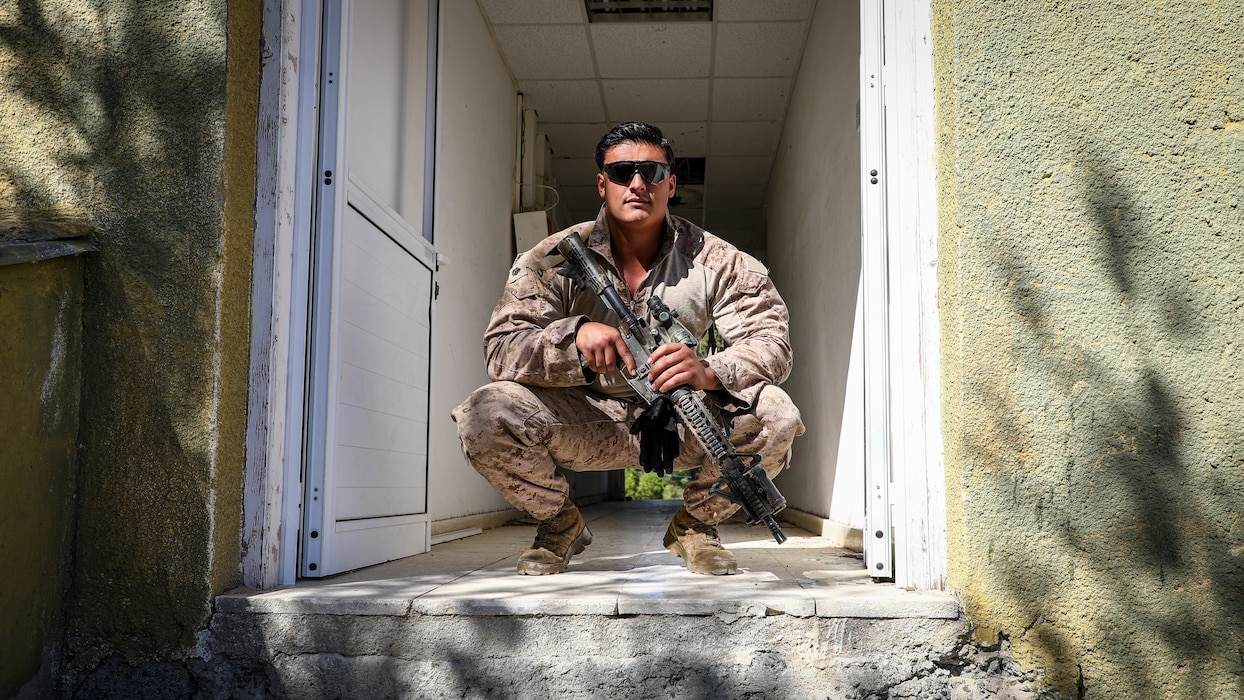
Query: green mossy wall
[1092, 262]
[138, 117]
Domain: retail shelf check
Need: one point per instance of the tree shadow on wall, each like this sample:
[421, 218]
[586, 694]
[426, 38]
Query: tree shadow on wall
[121, 107]
[1116, 545]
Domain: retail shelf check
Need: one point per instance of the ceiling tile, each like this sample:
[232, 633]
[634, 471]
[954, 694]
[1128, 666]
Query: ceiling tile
[737, 170]
[660, 72]
[656, 101]
[563, 100]
[752, 11]
[760, 49]
[671, 50]
[555, 51]
[687, 138]
[750, 99]
[743, 138]
[575, 140]
[533, 11]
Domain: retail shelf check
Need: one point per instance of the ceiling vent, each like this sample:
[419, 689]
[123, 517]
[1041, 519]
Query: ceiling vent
[649, 10]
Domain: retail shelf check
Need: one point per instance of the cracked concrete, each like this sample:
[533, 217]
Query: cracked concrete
[640, 656]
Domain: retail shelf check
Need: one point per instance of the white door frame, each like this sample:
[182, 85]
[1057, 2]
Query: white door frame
[878, 530]
[280, 291]
[906, 496]
[903, 425]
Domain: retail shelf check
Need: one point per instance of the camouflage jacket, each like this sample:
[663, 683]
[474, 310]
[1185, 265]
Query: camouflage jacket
[531, 336]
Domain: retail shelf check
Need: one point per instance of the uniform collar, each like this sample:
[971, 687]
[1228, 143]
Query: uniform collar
[678, 234]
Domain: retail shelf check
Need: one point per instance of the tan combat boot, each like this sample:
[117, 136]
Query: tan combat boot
[557, 539]
[699, 545]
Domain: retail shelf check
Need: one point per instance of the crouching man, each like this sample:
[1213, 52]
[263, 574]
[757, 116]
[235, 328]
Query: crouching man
[555, 356]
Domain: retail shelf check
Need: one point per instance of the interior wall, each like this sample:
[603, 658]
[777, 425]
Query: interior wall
[813, 225]
[477, 126]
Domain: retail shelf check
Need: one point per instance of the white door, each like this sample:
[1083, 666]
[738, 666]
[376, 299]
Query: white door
[365, 485]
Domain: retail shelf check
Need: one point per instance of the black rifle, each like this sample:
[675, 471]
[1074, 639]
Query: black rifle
[742, 480]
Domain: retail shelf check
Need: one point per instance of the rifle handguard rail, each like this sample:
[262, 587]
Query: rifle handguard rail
[747, 485]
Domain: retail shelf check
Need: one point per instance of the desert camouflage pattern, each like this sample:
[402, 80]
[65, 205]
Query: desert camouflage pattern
[530, 338]
[515, 435]
[544, 408]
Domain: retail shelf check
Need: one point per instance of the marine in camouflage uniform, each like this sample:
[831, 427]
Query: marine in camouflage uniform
[545, 407]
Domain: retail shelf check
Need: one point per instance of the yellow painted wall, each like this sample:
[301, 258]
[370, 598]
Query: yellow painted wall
[1092, 303]
[40, 381]
[139, 118]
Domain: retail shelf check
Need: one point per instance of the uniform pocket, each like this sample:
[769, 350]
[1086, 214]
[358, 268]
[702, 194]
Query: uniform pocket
[523, 284]
[751, 282]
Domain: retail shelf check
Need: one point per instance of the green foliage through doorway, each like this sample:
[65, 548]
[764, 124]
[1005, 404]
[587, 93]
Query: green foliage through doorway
[646, 485]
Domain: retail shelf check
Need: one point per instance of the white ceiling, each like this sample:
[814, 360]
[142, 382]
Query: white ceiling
[719, 90]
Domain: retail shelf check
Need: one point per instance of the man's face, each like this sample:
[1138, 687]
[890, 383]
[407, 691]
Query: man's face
[638, 201]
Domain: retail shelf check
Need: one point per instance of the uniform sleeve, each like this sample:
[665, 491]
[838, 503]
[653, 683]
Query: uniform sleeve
[753, 320]
[529, 338]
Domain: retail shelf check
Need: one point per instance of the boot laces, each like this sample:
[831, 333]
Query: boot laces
[548, 531]
[544, 539]
[708, 533]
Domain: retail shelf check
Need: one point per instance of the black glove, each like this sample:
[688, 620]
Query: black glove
[658, 437]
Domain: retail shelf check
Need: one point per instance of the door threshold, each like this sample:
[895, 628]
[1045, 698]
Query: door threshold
[626, 571]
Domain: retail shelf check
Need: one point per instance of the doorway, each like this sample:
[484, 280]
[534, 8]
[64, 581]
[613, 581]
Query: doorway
[362, 198]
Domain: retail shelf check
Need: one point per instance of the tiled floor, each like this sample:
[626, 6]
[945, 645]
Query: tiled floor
[625, 571]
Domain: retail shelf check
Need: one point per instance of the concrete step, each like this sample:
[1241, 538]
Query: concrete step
[625, 621]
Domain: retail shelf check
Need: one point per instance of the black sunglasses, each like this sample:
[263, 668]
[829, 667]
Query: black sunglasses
[623, 171]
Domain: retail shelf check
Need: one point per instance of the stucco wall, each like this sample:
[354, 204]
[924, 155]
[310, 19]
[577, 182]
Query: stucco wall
[1090, 159]
[813, 225]
[116, 113]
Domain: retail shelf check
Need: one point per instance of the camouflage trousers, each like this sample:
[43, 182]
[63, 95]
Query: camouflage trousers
[517, 435]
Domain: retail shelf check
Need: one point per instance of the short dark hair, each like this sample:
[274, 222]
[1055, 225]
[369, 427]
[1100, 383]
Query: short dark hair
[633, 132]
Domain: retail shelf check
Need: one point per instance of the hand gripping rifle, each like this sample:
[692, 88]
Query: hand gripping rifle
[742, 480]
